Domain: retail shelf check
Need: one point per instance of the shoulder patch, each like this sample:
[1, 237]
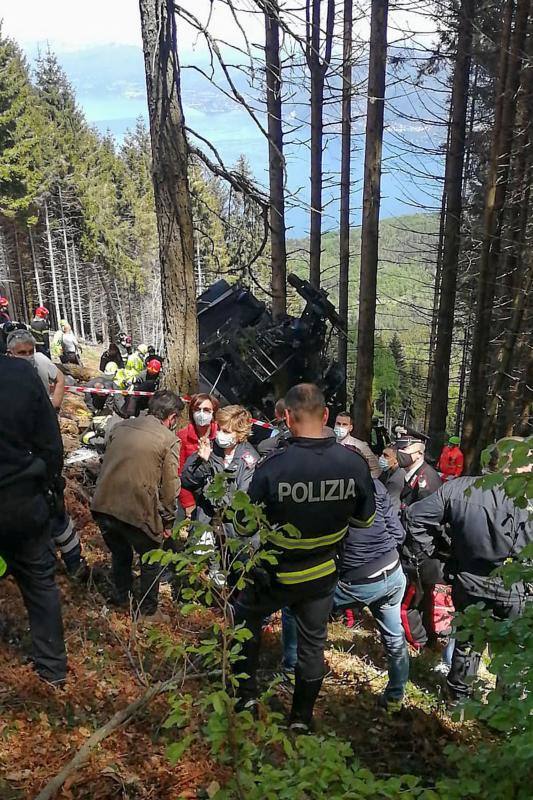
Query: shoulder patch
[249, 459]
[422, 482]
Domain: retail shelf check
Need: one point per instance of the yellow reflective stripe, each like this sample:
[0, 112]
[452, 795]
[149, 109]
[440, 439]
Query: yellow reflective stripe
[293, 543]
[363, 523]
[311, 574]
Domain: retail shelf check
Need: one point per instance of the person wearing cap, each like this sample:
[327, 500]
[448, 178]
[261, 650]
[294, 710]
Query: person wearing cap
[4, 310]
[451, 460]
[146, 381]
[420, 479]
[40, 329]
[21, 344]
[105, 380]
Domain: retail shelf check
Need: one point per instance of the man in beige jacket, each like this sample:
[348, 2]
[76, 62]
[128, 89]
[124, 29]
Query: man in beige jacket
[135, 497]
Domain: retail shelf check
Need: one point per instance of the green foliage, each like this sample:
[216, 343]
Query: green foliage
[386, 383]
[21, 131]
[3, 567]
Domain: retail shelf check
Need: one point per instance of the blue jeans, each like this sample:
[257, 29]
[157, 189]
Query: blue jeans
[383, 597]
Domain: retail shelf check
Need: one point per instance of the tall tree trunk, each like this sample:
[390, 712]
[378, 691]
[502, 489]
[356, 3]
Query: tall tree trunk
[21, 276]
[453, 191]
[172, 196]
[278, 248]
[512, 48]
[377, 69]
[78, 292]
[92, 326]
[344, 219]
[35, 268]
[52, 264]
[436, 299]
[317, 70]
[67, 264]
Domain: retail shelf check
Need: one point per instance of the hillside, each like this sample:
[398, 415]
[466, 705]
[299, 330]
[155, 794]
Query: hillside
[408, 247]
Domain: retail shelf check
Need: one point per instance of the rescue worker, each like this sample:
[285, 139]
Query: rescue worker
[321, 489]
[146, 381]
[40, 330]
[106, 380]
[31, 459]
[21, 344]
[392, 476]
[371, 574]
[343, 433]
[67, 344]
[4, 310]
[135, 497]
[451, 460]
[486, 528]
[112, 354]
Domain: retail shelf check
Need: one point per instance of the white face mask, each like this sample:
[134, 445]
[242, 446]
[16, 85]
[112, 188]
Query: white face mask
[202, 418]
[225, 440]
[340, 432]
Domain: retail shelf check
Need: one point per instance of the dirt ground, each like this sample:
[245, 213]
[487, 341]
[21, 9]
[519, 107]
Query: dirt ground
[111, 660]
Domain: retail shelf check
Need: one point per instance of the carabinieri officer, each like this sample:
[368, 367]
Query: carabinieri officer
[321, 488]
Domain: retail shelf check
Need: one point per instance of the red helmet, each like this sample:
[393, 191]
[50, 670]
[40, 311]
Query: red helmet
[41, 312]
[4, 302]
[154, 366]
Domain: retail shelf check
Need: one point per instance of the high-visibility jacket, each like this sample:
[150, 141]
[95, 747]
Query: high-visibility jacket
[451, 462]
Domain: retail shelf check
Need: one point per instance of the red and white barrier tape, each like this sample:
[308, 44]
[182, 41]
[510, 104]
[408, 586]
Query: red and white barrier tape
[129, 393]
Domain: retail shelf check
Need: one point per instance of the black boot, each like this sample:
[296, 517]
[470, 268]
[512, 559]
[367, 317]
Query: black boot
[303, 702]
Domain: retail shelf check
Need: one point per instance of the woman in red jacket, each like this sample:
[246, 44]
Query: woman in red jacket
[202, 410]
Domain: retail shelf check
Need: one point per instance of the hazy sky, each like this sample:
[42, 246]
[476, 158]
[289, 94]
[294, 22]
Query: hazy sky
[73, 24]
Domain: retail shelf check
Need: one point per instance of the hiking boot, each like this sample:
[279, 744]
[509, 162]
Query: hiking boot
[79, 572]
[301, 728]
[390, 705]
[303, 700]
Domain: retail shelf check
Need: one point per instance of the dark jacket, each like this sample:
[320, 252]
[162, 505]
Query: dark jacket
[320, 488]
[198, 474]
[367, 550]
[31, 450]
[40, 330]
[424, 482]
[278, 440]
[394, 481]
[485, 526]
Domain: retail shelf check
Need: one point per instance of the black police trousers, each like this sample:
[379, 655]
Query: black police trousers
[31, 562]
[311, 604]
[124, 540]
[504, 604]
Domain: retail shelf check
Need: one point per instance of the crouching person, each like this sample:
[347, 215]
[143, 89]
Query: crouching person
[135, 497]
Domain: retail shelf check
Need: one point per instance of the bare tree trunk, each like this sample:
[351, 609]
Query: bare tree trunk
[453, 191]
[35, 268]
[344, 220]
[377, 68]
[52, 263]
[21, 276]
[317, 69]
[67, 263]
[278, 249]
[78, 293]
[512, 48]
[172, 197]
[92, 326]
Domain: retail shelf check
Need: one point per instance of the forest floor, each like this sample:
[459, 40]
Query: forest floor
[112, 660]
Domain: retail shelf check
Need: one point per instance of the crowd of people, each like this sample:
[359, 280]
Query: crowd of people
[379, 527]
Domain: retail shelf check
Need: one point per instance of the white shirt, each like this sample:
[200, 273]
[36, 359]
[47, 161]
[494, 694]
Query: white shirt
[46, 370]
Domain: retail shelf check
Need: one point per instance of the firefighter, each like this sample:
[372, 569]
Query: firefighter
[40, 330]
[451, 460]
[4, 310]
[321, 488]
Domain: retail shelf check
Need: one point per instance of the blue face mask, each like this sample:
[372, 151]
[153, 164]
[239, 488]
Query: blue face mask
[383, 463]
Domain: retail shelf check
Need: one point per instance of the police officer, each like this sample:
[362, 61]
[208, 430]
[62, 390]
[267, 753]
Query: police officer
[421, 479]
[321, 488]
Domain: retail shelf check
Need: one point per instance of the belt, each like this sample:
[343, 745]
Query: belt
[380, 577]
